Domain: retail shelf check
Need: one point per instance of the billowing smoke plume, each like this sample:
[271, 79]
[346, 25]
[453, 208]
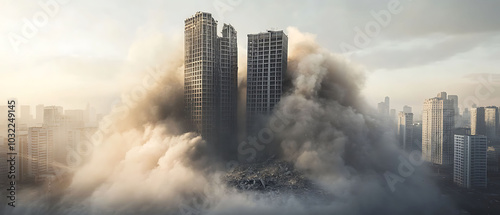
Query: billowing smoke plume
[334, 137]
[150, 164]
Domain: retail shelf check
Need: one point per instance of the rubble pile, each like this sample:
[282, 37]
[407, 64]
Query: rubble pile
[270, 176]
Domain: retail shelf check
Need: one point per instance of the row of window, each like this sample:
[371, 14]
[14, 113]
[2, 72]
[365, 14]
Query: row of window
[253, 42]
[252, 102]
[262, 79]
[265, 57]
[259, 88]
[258, 111]
[254, 66]
[265, 48]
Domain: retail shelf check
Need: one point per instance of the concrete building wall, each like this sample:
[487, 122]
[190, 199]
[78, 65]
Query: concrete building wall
[228, 87]
[470, 161]
[437, 130]
[478, 125]
[201, 73]
[491, 123]
[211, 78]
[405, 130]
[40, 151]
[266, 68]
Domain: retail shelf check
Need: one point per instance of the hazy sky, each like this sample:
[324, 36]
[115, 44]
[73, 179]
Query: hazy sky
[92, 51]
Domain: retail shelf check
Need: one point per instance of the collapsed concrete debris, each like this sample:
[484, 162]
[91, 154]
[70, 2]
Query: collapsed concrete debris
[272, 176]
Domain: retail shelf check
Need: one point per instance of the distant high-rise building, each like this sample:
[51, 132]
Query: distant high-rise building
[470, 168]
[266, 69]
[417, 136]
[407, 109]
[405, 130]
[477, 123]
[491, 118]
[23, 148]
[493, 159]
[456, 109]
[40, 151]
[52, 115]
[437, 130]
[210, 78]
[384, 107]
[442, 95]
[454, 98]
[466, 118]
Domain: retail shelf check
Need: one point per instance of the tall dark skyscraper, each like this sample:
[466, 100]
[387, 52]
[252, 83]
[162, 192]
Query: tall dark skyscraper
[477, 123]
[210, 77]
[266, 68]
[491, 120]
[405, 130]
[228, 87]
[200, 73]
[470, 161]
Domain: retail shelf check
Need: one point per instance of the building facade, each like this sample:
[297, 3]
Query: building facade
[493, 159]
[417, 136]
[466, 118]
[405, 130]
[384, 107]
[407, 109]
[491, 123]
[266, 68]
[470, 161]
[437, 130]
[41, 153]
[477, 123]
[228, 84]
[200, 73]
[23, 151]
[210, 77]
[52, 115]
[454, 98]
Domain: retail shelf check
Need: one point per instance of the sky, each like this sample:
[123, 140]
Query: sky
[78, 51]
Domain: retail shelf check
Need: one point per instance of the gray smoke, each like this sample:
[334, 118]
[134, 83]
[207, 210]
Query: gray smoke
[150, 164]
[338, 141]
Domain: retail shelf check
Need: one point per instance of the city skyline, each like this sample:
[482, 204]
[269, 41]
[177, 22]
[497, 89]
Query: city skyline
[133, 47]
[250, 107]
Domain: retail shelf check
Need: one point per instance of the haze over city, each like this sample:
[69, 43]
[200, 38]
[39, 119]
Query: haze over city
[101, 45]
[249, 107]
